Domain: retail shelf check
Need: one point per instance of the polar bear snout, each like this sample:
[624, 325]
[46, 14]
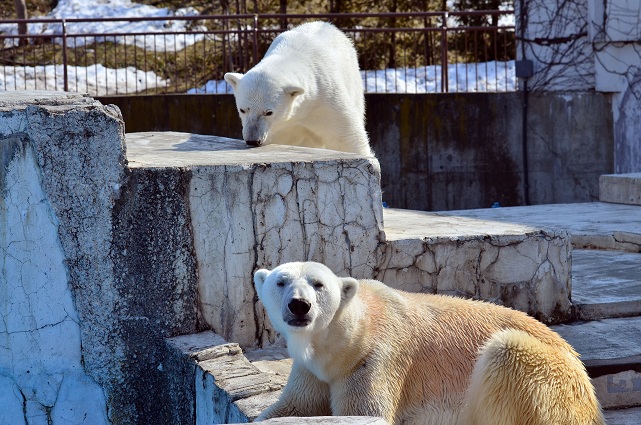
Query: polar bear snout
[299, 306]
[297, 312]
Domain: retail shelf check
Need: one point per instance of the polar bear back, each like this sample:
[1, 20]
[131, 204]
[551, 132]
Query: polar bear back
[321, 51]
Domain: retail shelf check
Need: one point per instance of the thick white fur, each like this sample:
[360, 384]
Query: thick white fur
[417, 358]
[306, 91]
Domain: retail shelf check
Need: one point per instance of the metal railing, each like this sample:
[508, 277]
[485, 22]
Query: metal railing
[401, 52]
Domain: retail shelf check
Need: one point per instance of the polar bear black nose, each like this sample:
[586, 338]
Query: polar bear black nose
[299, 307]
[253, 142]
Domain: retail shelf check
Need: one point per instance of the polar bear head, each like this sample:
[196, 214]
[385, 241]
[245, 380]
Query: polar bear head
[303, 297]
[263, 102]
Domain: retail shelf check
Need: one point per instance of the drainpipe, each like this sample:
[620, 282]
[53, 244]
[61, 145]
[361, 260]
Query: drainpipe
[524, 69]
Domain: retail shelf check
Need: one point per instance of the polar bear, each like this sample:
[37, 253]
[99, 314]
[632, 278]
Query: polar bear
[362, 348]
[306, 91]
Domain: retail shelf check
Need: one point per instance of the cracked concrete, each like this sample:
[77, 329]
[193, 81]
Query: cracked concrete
[521, 266]
[37, 305]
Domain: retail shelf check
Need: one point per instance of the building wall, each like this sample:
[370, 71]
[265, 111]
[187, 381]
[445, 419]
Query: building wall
[585, 46]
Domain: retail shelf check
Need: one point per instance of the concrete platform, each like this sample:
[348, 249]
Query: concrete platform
[170, 149]
[620, 188]
[606, 284]
[523, 266]
[594, 225]
[611, 351]
[631, 416]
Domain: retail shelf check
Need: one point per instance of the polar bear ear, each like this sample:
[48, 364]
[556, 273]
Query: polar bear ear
[350, 288]
[294, 91]
[233, 78]
[259, 279]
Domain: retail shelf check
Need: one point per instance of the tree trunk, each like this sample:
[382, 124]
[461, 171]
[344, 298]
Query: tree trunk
[21, 13]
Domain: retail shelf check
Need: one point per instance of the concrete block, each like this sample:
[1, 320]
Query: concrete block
[623, 416]
[593, 225]
[227, 387]
[606, 284]
[620, 188]
[524, 267]
[61, 171]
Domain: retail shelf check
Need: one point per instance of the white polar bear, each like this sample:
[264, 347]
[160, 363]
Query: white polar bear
[306, 91]
[362, 348]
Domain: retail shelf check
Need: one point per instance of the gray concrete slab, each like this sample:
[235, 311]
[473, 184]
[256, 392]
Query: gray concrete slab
[409, 224]
[620, 188]
[606, 283]
[596, 225]
[20, 99]
[631, 416]
[605, 342]
[173, 149]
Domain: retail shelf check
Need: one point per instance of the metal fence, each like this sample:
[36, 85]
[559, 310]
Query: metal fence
[400, 53]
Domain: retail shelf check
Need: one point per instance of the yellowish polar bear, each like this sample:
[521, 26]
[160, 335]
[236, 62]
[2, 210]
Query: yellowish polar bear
[306, 91]
[362, 348]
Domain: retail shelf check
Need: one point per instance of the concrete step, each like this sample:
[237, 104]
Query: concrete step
[606, 284]
[620, 188]
[522, 266]
[630, 416]
[593, 225]
[611, 352]
[227, 388]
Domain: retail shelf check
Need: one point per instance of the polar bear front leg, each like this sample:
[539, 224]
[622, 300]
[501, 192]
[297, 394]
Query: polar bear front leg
[304, 395]
[364, 394]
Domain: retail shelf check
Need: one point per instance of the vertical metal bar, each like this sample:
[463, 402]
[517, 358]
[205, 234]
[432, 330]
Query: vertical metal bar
[444, 76]
[64, 56]
[255, 40]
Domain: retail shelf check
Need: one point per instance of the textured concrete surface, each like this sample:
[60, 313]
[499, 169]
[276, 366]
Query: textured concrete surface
[620, 188]
[605, 342]
[228, 388]
[595, 225]
[606, 283]
[61, 173]
[521, 266]
[174, 149]
[631, 416]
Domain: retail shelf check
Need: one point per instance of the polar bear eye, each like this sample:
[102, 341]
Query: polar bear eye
[242, 111]
[268, 113]
[280, 283]
[318, 285]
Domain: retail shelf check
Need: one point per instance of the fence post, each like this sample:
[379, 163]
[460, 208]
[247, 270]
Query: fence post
[255, 40]
[444, 75]
[64, 55]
